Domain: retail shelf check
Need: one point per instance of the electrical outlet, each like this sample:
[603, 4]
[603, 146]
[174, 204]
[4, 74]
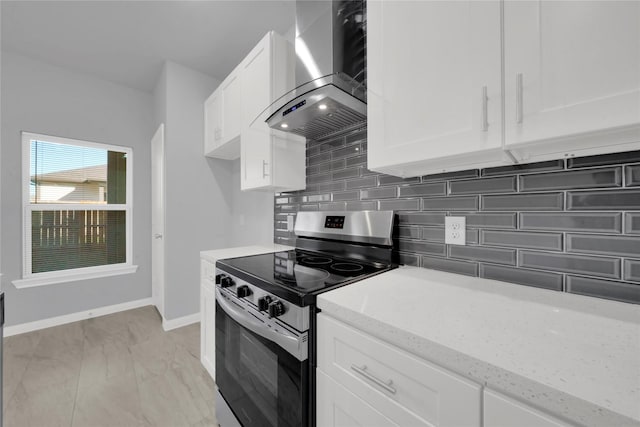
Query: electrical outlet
[290, 222]
[455, 230]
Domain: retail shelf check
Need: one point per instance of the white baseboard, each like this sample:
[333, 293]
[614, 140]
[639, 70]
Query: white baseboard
[74, 317]
[168, 325]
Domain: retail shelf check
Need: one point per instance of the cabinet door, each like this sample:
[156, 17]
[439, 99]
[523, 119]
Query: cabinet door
[337, 407]
[256, 83]
[572, 68]
[256, 164]
[212, 122]
[208, 327]
[405, 388]
[231, 93]
[434, 85]
[501, 411]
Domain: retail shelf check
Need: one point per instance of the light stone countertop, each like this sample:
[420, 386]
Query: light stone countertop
[573, 356]
[216, 254]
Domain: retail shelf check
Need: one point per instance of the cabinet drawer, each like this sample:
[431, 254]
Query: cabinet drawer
[405, 388]
[207, 270]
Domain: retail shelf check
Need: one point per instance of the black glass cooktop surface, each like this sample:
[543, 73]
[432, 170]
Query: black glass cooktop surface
[298, 275]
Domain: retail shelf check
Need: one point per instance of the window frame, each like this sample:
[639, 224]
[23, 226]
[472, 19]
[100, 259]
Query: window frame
[30, 279]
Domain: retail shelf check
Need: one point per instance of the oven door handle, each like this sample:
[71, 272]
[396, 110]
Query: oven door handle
[293, 345]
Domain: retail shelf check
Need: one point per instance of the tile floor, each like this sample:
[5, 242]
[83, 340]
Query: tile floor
[116, 370]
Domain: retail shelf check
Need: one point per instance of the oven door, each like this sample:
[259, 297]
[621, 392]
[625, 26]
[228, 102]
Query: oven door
[262, 383]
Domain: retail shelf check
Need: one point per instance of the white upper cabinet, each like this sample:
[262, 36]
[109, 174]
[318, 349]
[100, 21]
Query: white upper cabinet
[270, 160]
[212, 121]
[570, 70]
[572, 77]
[434, 85]
[223, 119]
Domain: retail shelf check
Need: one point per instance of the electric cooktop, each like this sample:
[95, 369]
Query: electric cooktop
[298, 275]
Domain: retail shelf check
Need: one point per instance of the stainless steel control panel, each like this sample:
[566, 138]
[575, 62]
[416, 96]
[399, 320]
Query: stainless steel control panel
[267, 304]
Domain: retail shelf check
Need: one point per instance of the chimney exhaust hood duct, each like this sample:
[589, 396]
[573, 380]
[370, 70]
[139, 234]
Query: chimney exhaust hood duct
[330, 97]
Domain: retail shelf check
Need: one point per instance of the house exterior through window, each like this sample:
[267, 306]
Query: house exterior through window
[77, 208]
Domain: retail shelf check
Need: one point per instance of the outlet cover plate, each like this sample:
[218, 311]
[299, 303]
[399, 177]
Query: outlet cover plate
[455, 230]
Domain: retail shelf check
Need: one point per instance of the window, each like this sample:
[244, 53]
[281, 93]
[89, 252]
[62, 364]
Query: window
[77, 210]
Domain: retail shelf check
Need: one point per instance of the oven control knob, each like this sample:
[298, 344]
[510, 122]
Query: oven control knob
[263, 303]
[218, 278]
[226, 281]
[276, 309]
[243, 291]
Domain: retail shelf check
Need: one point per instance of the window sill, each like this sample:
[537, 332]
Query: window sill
[72, 277]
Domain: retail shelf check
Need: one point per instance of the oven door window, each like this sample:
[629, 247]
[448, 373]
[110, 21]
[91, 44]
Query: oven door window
[263, 384]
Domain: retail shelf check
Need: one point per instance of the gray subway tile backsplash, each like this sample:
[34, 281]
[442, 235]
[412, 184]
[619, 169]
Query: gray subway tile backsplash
[490, 220]
[394, 180]
[589, 178]
[369, 181]
[399, 205]
[632, 175]
[458, 203]
[514, 232]
[379, 193]
[604, 159]
[431, 189]
[421, 247]
[522, 239]
[524, 202]
[604, 199]
[606, 245]
[550, 165]
[570, 263]
[608, 289]
[471, 173]
[522, 276]
[597, 222]
[632, 223]
[481, 253]
[426, 218]
[362, 206]
[451, 265]
[506, 184]
[632, 270]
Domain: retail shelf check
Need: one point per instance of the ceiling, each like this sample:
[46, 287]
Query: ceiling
[127, 42]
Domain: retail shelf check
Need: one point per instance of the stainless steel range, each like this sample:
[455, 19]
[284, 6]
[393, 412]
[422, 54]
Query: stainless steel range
[265, 314]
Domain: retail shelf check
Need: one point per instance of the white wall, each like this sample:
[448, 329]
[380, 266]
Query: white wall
[205, 207]
[41, 98]
[198, 202]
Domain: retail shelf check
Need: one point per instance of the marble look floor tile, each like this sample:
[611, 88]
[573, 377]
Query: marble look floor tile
[18, 351]
[118, 370]
[101, 363]
[114, 401]
[50, 405]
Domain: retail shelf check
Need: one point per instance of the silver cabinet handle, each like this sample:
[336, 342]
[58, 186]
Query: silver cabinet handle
[264, 166]
[485, 117]
[519, 99]
[385, 385]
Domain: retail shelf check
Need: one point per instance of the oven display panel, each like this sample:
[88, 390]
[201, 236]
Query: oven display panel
[333, 221]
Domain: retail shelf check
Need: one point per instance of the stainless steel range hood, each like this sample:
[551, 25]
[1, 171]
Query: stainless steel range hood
[330, 97]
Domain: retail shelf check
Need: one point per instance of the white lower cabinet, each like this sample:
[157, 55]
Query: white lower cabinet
[502, 411]
[404, 389]
[208, 316]
[338, 407]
